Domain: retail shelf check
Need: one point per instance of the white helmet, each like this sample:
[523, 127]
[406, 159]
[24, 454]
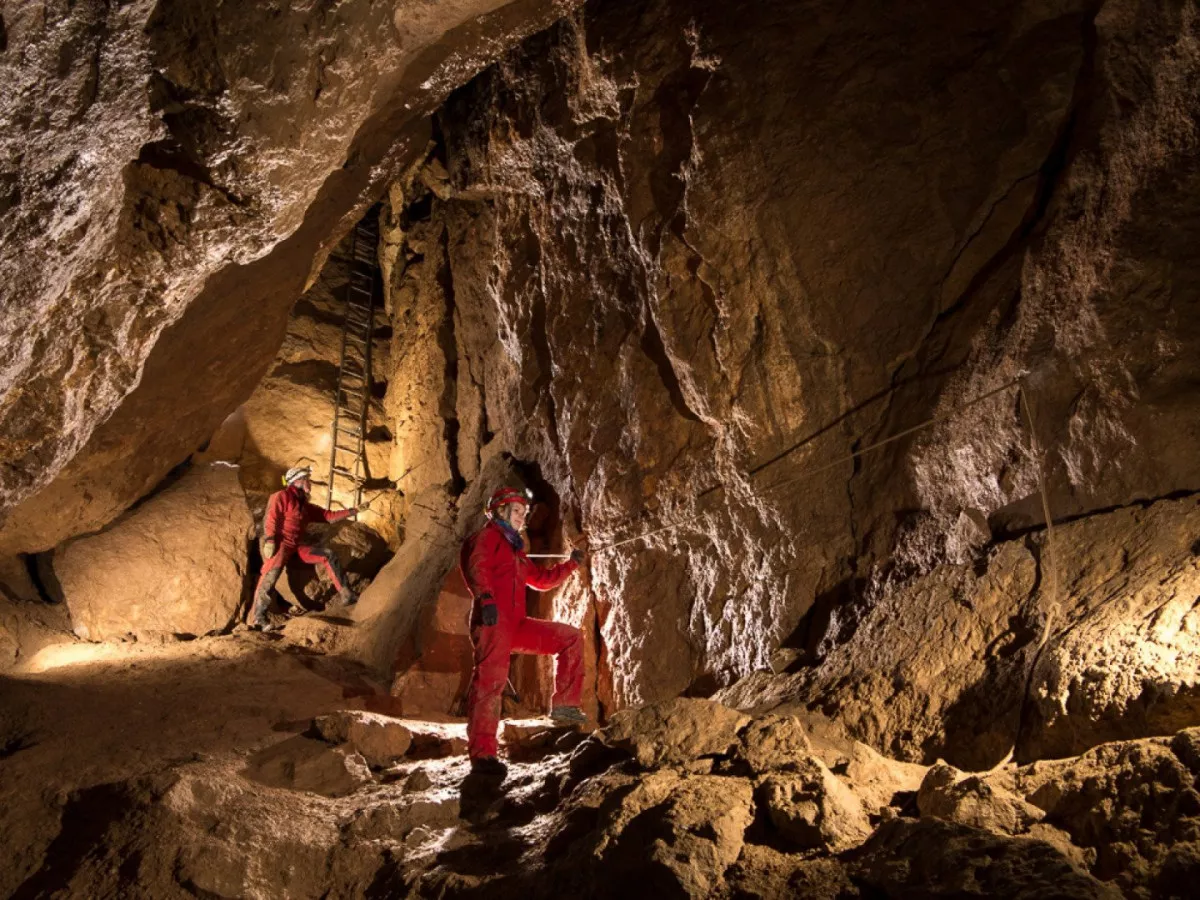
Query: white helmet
[296, 473]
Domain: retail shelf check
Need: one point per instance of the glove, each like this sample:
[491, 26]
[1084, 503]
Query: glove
[488, 614]
[578, 556]
[268, 549]
[362, 507]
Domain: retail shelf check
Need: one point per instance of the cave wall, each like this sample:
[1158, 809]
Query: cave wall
[173, 174]
[652, 285]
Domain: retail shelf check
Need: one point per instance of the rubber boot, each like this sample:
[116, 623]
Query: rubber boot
[489, 767]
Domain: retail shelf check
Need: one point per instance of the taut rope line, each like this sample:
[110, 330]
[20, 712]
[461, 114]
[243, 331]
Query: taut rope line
[817, 470]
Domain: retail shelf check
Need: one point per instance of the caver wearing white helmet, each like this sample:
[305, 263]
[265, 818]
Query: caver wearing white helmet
[289, 512]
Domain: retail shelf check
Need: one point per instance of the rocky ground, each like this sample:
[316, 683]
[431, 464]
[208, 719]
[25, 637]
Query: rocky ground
[246, 766]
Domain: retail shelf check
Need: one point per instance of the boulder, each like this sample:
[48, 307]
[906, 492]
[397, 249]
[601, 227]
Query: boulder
[948, 794]
[812, 809]
[676, 836]
[302, 764]
[176, 564]
[1133, 805]
[774, 743]
[935, 859]
[675, 732]
[380, 740]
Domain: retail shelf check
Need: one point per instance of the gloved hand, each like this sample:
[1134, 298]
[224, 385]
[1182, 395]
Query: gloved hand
[269, 549]
[362, 507]
[578, 556]
[488, 614]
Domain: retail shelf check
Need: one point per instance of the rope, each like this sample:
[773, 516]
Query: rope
[808, 473]
[1051, 568]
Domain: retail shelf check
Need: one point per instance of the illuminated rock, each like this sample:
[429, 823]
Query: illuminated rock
[812, 808]
[380, 740]
[174, 565]
[675, 732]
[948, 794]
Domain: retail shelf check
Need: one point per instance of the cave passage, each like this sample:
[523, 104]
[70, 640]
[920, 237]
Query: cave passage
[817, 384]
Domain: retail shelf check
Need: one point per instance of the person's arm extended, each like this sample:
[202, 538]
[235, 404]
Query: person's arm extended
[331, 515]
[543, 579]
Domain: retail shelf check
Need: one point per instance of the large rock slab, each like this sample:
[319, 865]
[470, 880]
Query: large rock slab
[931, 859]
[381, 740]
[174, 565]
[1133, 805]
[945, 665]
[675, 732]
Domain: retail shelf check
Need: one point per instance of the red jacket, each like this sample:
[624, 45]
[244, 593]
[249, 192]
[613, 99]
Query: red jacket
[491, 565]
[289, 513]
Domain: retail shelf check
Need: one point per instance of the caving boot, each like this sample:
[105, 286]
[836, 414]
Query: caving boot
[346, 597]
[489, 767]
[568, 715]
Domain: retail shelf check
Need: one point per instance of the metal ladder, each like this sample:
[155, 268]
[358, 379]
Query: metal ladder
[347, 457]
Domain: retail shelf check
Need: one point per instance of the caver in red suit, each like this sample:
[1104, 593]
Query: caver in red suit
[497, 571]
[289, 512]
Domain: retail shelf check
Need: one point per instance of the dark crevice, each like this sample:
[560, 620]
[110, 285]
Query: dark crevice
[655, 349]
[3, 35]
[86, 821]
[448, 405]
[12, 744]
[541, 351]
[41, 575]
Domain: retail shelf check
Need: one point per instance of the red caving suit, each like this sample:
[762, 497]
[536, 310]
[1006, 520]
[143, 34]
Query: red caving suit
[288, 513]
[491, 565]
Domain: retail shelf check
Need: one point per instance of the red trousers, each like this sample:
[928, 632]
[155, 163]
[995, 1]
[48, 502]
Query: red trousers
[494, 644]
[272, 568]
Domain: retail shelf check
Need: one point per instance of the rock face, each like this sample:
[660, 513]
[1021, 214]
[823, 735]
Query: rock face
[1044, 653]
[212, 157]
[678, 305]
[174, 565]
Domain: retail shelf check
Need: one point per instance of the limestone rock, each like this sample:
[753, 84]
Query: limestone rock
[939, 667]
[930, 858]
[197, 211]
[774, 743]
[970, 800]
[763, 872]
[811, 808]
[174, 565]
[1123, 658]
[675, 732]
[1135, 804]
[379, 739]
[302, 764]
[675, 835]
